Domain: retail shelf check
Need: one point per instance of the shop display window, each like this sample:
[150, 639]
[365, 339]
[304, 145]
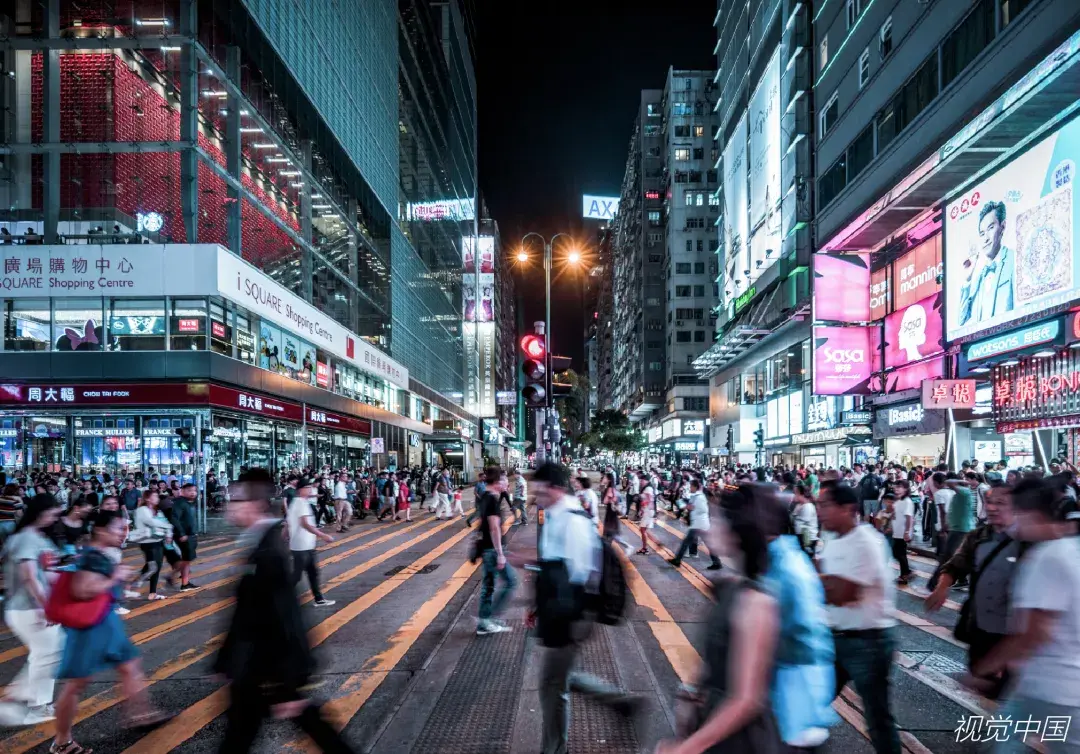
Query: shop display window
[77, 324]
[136, 324]
[187, 325]
[245, 336]
[221, 326]
[26, 325]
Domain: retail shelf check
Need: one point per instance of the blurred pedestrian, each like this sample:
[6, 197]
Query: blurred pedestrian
[265, 655]
[490, 548]
[304, 536]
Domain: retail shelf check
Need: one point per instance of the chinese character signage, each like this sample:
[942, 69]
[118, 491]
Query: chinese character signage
[1038, 392]
[1017, 340]
[948, 394]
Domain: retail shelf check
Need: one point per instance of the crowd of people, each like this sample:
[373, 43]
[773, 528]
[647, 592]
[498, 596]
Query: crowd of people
[804, 594]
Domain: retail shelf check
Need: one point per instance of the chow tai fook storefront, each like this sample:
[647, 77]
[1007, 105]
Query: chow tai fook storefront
[110, 427]
[1041, 396]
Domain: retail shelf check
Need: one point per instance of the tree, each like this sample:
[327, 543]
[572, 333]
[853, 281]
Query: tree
[573, 408]
[611, 430]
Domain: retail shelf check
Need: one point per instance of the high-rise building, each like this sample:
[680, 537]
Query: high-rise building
[637, 353]
[602, 326]
[757, 365]
[247, 223]
[946, 145]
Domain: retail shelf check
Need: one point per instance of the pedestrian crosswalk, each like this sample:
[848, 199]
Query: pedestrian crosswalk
[401, 589]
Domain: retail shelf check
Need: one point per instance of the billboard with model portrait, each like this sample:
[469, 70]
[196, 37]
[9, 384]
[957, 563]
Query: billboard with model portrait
[1012, 241]
[914, 333]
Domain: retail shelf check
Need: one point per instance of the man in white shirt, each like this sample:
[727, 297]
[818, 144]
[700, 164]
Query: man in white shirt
[341, 502]
[860, 597]
[570, 553]
[698, 506]
[633, 492]
[303, 538]
[902, 525]
[520, 495]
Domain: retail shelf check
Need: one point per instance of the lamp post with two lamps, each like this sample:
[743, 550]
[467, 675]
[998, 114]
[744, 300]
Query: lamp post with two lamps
[573, 257]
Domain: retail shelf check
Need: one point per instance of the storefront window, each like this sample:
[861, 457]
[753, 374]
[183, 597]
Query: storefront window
[107, 443]
[46, 441]
[220, 327]
[26, 325]
[245, 336]
[136, 324]
[161, 444]
[187, 325]
[77, 324]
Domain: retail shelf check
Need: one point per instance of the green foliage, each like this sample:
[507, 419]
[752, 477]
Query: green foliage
[610, 430]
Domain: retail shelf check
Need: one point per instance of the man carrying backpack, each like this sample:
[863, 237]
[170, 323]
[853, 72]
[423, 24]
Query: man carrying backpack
[576, 578]
[870, 491]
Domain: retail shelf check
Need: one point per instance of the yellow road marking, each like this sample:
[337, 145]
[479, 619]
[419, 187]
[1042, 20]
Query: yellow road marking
[214, 607]
[696, 579]
[200, 714]
[358, 688]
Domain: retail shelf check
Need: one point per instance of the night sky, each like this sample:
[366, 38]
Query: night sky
[559, 83]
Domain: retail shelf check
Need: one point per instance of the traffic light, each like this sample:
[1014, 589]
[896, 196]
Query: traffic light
[185, 438]
[759, 437]
[534, 365]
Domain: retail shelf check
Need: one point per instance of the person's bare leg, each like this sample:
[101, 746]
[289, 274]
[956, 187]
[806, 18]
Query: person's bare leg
[133, 684]
[67, 704]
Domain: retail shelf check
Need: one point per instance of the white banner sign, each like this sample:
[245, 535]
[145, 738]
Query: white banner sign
[736, 214]
[765, 170]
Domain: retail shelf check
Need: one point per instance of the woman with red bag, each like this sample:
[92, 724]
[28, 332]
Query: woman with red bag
[103, 645]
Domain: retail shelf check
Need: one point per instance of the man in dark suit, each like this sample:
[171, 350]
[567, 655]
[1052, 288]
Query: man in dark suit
[265, 654]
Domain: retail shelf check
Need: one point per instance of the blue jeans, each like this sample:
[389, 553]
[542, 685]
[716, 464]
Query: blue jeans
[489, 607]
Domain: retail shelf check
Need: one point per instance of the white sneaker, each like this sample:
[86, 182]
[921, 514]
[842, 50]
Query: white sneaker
[488, 626]
[121, 610]
[42, 714]
[324, 603]
[131, 594]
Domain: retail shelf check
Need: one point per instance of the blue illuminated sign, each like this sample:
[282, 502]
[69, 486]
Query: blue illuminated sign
[1044, 332]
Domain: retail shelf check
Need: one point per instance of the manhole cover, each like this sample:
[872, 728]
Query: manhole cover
[428, 568]
[944, 664]
[394, 571]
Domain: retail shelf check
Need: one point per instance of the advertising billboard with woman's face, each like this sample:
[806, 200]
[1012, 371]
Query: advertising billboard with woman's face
[1012, 241]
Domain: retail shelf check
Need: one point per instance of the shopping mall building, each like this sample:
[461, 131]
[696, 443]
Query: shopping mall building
[208, 225]
[934, 318]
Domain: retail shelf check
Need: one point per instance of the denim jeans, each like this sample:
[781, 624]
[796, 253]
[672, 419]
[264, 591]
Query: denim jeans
[489, 607]
[865, 658]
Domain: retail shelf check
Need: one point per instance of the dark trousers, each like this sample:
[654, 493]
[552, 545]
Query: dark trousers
[323, 514]
[865, 659]
[929, 521]
[304, 562]
[248, 708]
[981, 644]
[633, 501]
[951, 544]
[899, 551]
[154, 553]
[690, 542]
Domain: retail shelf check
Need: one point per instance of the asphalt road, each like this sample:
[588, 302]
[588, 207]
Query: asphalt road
[402, 671]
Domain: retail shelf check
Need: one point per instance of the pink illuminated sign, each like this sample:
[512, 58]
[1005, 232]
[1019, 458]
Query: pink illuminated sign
[841, 287]
[843, 360]
[911, 377]
[914, 332]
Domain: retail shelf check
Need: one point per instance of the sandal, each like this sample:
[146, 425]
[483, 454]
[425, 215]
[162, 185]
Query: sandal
[69, 748]
[642, 551]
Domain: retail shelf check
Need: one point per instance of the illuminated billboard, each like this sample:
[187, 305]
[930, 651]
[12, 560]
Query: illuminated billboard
[736, 215]
[1011, 241]
[843, 360]
[599, 207]
[457, 210]
[914, 333]
[487, 254]
[764, 169]
[841, 285]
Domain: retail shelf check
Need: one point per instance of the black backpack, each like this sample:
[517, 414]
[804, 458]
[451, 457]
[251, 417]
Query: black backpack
[870, 487]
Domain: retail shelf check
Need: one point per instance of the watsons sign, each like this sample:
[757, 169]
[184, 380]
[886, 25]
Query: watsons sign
[1014, 341]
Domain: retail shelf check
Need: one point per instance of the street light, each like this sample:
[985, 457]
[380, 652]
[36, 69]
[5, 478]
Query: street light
[523, 256]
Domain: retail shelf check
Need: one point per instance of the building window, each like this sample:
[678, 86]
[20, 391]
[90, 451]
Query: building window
[652, 301]
[714, 200]
[714, 244]
[854, 10]
[682, 153]
[829, 114]
[137, 325]
[699, 130]
[695, 403]
[699, 267]
[907, 103]
[832, 182]
[653, 110]
[652, 129]
[967, 40]
[695, 223]
[823, 53]
[682, 336]
[26, 325]
[695, 176]
[699, 291]
[682, 268]
[656, 258]
[689, 84]
[711, 177]
[864, 67]
[77, 324]
[682, 291]
[681, 176]
[654, 217]
[187, 325]
[1010, 9]
[861, 153]
[689, 197]
[682, 131]
[655, 238]
[885, 38]
[699, 336]
[699, 153]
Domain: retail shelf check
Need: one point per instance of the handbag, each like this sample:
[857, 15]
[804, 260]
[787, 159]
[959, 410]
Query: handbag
[966, 622]
[61, 607]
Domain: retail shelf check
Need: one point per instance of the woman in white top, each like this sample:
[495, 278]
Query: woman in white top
[153, 533]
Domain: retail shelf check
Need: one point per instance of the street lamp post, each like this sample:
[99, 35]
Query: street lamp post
[522, 257]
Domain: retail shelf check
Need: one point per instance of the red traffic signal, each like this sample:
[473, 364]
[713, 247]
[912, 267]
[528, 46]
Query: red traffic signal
[533, 346]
